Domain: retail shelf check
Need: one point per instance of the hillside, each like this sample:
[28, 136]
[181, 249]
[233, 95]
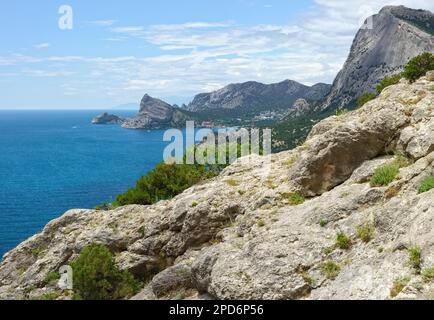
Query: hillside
[347, 215]
[252, 98]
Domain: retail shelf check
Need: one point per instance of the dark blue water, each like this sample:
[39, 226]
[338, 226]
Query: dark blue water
[52, 161]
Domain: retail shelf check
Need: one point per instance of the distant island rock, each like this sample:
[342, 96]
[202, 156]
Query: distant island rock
[153, 114]
[156, 114]
[107, 118]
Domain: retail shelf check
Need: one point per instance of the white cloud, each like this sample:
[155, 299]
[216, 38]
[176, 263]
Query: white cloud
[103, 23]
[202, 56]
[42, 45]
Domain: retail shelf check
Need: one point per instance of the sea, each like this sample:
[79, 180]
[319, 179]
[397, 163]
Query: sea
[53, 161]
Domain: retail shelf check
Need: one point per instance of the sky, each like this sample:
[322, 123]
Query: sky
[116, 51]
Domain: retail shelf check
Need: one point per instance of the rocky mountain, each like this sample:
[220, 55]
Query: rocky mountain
[397, 35]
[153, 114]
[310, 227]
[255, 96]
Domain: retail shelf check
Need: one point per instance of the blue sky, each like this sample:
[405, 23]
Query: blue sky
[119, 50]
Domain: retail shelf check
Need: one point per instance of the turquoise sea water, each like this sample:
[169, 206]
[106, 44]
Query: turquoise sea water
[52, 161]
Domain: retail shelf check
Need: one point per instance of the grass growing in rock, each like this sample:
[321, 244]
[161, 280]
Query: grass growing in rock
[48, 296]
[330, 269]
[365, 232]
[384, 175]
[232, 183]
[402, 161]
[323, 222]
[415, 257]
[398, 286]
[341, 112]
[426, 185]
[388, 81]
[295, 199]
[428, 274]
[343, 241]
[51, 278]
[365, 98]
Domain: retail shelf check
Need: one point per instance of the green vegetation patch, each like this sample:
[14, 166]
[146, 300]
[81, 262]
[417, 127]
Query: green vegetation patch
[96, 276]
[366, 232]
[398, 286]
[48, 296]
[365, 98]
[295, 199]
[419, 66]
[388, 81]
[384, 175]
[415, 257]
[51, 278]
[343, 241]
[330, 269]
[323, 222]
[428, 274]
[426, 185]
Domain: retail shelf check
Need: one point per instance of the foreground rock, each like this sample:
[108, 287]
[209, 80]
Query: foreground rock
[242, 235]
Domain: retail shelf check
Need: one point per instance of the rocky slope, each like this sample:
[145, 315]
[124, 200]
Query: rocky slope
[397, 35]
[257, 96]
[246, 235]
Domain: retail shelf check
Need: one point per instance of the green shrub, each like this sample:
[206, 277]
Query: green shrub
[48, 296]
[415, 257]
[428, 274]
[426, 185]
[323, 222]
[365, 98]
[51, 278]
[419, 66]
[164, 182]
[366, 232]
[341, 112]
[330, 269]
[402, 161]
[343, 241]
[388, 81]
[384, 175]
[96, 276]
[295, 199]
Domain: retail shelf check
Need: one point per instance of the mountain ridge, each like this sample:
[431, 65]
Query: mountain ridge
[257, 95]
[379, 52]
